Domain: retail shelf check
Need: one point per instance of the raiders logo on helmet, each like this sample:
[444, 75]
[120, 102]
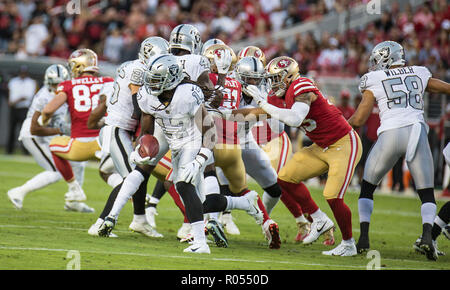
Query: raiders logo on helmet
[173, 70]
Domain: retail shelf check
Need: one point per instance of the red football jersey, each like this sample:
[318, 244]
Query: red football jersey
[227, 130]
[324, 124]
[263, 133]
[82, 98]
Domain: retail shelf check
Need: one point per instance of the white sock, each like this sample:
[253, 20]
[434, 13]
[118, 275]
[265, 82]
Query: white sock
[318, 214]
[237, 202]
[214, 216]
[301, 219]
[211, 185]
[269, 202]
[428, 212]
[365, 208]
[198, 231]
[141, 218]
[114, 179]
[129, 187]
[78, 171]
[440, 222]
[39, 181]
[154, 200]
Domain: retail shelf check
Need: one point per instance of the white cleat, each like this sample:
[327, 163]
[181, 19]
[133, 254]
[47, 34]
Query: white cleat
[183, 232]
[75, 195]
[15, 195]
[150, 213]
[198, 248]
[345, 249]
[93, 231]
[229, 225]
[318, 228]
[78, 206]
[145, 229]
[254, 210]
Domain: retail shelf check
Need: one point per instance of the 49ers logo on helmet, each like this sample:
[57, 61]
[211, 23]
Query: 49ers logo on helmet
[284, 63]
[218, 52]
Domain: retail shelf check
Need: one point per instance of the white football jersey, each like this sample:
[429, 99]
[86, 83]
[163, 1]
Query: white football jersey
[120, 104]
[194, 65]
[177, 119]
[399, 94]
[42, 98]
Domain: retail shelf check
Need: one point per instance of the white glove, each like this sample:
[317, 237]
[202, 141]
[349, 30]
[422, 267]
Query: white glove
[189, 172]
[137, 159]
[41, 122]
[259, 97]
[223, 62]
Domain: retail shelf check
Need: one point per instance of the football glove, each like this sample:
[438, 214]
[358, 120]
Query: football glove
[136, 158]
[223, 61]
[259, 97]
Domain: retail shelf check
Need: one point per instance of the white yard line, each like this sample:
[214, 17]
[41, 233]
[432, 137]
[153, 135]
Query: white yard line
[209, 258]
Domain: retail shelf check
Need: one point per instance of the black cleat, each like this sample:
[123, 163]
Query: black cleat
[427, 249]
[363, 245]
[107, 226]
[216, 231]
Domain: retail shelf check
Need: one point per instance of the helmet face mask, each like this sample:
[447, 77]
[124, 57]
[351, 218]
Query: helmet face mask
[55, 74]
[385, 55]
[185, 37]
[164, 73]
[81, 61]
[152, 46]
[250, 71]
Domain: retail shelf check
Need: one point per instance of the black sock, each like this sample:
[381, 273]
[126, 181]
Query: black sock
[444, 212]
[364, 230]
[110, 202]
[214, 203]
[158, 191]
[192, 203]
[139, 197]
[367, 190]
[274, 190]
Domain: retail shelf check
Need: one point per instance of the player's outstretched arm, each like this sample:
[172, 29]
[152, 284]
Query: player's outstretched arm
[38, 130]
[438, 86]
[95, 118]
[363, 111]
[52, 106]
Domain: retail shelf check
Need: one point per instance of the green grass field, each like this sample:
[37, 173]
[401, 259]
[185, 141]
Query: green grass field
[42, 234]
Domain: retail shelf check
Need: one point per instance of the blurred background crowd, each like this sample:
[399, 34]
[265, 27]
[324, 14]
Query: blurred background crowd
[115, 28]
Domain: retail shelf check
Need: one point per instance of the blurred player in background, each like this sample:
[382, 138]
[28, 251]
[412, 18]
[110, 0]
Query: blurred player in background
[36, 139]
[81, 95]
[398, 90]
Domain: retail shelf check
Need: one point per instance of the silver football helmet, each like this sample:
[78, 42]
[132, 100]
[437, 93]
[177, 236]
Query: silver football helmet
[209, 43]
[187, 37]
[250, 71]
[152, 46]
[55, 74]
[164, 73]
[385, 55]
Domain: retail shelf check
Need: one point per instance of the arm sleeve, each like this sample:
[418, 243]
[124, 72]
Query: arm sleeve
[292, 117]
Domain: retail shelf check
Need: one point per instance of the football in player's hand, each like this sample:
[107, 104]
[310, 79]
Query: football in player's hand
[149, 146]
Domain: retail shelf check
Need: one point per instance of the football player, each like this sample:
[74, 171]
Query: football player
[177, 107]
[81, 95]
[264, 164]
[336, 148]
[122, 120]
[398, 90]
[36, 140]
[227, 152]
